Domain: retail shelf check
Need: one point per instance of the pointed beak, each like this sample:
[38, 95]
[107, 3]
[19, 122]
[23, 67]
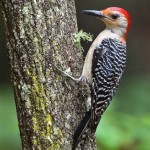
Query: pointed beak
[93, 13]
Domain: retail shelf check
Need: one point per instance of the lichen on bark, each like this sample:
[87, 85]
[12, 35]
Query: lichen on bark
[48, 106]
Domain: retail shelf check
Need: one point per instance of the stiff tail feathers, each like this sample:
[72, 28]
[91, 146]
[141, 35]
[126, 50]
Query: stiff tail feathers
[80, 131]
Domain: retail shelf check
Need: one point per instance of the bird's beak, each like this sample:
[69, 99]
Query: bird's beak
[93, 13]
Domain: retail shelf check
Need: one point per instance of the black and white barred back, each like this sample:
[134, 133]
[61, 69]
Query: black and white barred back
[107, 67]
[108, 64]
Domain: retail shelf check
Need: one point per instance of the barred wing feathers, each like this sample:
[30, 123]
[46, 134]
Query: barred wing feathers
[108, 64]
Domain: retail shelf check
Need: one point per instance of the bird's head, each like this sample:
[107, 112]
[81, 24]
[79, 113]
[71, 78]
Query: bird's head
[116, 19]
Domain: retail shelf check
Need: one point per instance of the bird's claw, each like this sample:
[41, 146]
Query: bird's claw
[83, 80]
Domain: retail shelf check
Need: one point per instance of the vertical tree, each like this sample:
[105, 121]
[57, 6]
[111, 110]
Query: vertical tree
[49, 107]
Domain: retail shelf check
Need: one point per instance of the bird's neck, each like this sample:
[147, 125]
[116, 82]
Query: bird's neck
[120, 32]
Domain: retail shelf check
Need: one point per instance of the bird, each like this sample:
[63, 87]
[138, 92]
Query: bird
[103, 66]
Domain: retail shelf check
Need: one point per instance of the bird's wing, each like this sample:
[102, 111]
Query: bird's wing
[107, 67]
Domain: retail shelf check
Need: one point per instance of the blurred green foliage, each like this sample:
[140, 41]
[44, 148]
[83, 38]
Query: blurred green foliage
[126, 124]
[9, 133]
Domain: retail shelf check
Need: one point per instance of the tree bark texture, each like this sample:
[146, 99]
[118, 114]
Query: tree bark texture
[49, 107]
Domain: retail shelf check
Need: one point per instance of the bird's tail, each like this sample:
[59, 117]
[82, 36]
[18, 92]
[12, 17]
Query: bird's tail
[80, 132]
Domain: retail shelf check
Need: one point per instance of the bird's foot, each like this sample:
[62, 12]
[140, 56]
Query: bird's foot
[83, 80]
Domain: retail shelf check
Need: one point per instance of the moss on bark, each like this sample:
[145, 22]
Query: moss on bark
[48, 106]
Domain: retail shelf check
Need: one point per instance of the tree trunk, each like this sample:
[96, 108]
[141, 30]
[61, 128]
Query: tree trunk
[49, 107]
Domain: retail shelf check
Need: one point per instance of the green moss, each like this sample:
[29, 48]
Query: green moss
[81, 35]
[25, 10]
[54, 147]
[48, 119]
[47, 131]
[35, 140]
[35, 123]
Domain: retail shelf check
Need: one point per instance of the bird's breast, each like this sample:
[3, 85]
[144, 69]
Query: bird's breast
[87, 68]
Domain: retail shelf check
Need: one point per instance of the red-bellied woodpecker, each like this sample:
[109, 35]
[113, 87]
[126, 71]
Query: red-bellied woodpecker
[104, 65]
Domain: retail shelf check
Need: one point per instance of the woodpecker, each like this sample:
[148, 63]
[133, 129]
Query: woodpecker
[104, 65]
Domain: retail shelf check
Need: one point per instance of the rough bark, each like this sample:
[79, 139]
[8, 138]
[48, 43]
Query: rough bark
[48, 106]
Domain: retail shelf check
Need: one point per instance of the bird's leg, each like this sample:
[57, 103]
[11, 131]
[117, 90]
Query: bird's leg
[65, 74]
[82, 79]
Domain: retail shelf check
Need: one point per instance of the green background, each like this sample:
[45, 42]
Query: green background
[126, 123]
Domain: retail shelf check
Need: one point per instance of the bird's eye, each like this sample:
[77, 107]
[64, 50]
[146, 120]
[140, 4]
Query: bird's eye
[114, 16]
